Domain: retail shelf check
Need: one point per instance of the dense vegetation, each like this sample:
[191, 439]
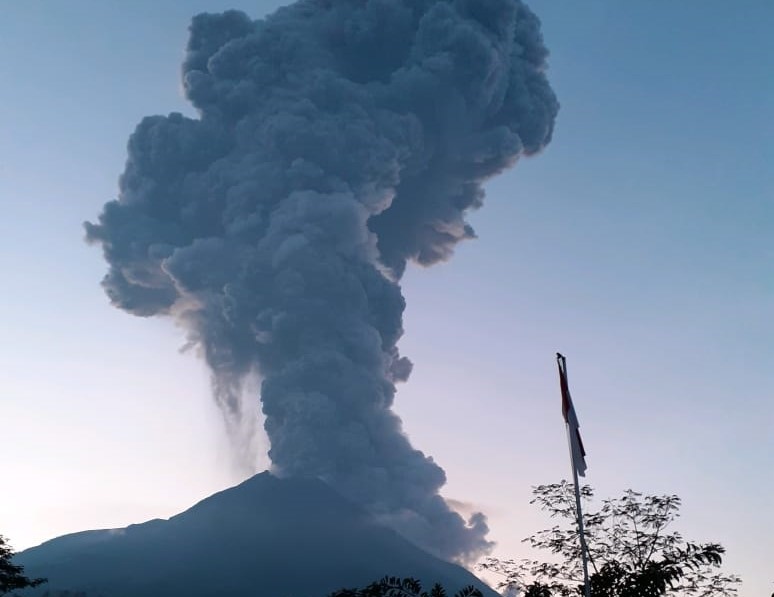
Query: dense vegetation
[632, 550]
[407, 587]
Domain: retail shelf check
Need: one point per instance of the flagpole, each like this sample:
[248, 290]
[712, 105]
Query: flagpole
[562, 363]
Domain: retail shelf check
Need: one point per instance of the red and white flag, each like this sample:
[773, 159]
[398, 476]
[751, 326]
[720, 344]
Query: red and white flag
[577, 452]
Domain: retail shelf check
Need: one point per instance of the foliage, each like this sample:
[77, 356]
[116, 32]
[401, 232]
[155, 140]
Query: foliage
[632, 551]
[407, 587]
[12, 576]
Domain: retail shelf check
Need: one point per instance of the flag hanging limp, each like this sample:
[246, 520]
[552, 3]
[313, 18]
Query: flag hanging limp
[578, 454]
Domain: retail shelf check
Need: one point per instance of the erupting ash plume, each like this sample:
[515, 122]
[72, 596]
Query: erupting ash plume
[336, 141]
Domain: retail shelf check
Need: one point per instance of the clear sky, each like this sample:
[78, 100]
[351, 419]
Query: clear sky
[639, 244]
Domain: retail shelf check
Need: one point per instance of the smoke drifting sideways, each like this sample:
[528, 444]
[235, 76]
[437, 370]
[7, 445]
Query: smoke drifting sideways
[335, 142]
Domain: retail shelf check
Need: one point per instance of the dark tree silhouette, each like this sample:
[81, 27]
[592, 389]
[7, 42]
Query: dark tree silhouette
[406, 587]
[12, 577]
[632, 552]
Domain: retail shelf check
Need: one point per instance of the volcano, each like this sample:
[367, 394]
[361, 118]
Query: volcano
[266, 537]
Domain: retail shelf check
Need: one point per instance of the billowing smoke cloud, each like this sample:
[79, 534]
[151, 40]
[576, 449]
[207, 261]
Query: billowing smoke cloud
[336, 141]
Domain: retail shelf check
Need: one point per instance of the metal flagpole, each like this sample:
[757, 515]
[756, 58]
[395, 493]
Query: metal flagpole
[581, 534]
[562, 363]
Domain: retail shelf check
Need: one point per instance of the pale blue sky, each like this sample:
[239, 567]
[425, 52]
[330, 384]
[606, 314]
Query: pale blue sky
[639, 244]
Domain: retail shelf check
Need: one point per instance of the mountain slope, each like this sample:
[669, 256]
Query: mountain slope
[265, 537]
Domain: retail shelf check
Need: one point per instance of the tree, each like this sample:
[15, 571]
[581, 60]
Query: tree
[407, 587]
[12, 577]
[632, 550]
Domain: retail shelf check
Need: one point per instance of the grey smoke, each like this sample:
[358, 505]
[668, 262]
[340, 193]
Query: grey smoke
[336, 141]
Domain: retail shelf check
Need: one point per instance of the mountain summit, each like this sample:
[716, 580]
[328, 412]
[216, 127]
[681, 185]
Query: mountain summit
[263, 538]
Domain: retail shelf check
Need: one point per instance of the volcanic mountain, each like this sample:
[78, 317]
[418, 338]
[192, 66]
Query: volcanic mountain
[263, 538]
